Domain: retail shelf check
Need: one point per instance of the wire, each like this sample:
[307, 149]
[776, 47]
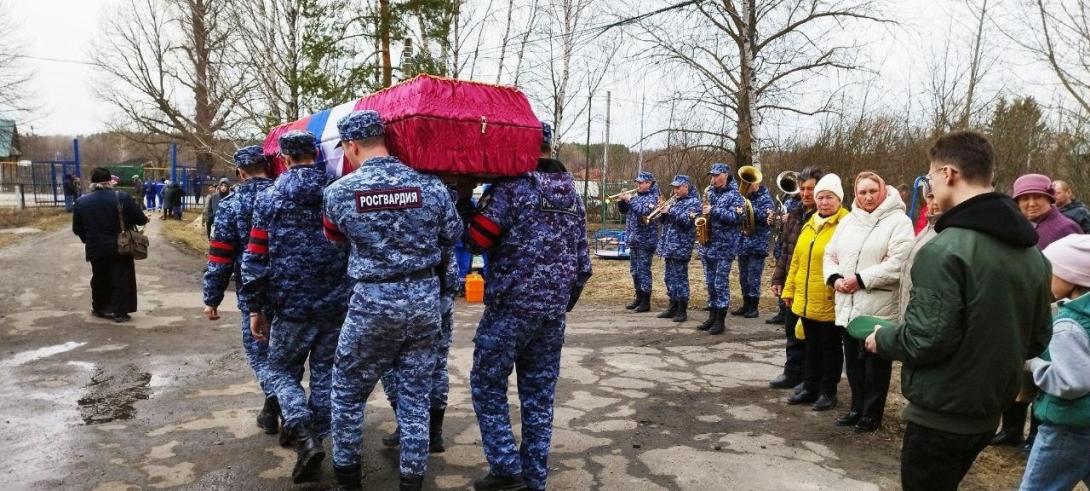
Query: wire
[57, 60]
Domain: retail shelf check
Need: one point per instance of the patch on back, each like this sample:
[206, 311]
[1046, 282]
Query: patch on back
[548, 207]
[388, 199]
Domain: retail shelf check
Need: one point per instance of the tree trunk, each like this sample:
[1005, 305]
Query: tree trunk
[203, 112]
[746, 145]
[384, 42]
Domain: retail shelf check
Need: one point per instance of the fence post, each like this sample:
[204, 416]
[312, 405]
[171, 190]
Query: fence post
[20, 198]
[75, 157]
[173, 161]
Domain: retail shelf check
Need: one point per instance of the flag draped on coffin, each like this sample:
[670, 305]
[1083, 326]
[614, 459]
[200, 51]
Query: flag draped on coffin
[436, 125]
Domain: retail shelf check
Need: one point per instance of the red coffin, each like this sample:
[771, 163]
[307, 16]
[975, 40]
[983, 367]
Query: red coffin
[441, 126]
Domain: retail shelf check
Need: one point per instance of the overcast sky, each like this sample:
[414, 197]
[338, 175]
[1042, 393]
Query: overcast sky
[64, 29]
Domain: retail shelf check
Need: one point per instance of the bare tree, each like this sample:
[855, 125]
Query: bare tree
[1058, 33]
[165, 66]
[750, 58]
[14, 77]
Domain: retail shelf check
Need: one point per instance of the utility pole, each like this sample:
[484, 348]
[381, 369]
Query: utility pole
[643, 105]
[586, 166]
[605, 156]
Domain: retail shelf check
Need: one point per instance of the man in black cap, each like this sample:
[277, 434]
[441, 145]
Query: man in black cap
[96, 219]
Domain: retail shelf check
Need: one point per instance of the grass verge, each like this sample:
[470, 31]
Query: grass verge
[40, 219]
[187, 232]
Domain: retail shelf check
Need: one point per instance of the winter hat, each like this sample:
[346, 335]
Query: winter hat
[1070, 258]
[1034, 184]
[830, 182]
[99, 174]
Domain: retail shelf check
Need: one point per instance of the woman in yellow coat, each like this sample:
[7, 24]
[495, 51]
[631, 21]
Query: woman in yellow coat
[806, 293]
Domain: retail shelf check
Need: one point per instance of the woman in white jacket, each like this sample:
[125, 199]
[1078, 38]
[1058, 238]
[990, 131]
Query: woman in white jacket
[863, 264]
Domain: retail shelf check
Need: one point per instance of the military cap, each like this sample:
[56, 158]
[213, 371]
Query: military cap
[298, 142]
[645, 176]
[360, 125]
[719, 168]
[681, 179]
[250, 156]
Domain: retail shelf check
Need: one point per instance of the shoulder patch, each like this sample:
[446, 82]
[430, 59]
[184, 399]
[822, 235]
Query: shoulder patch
[388, 199]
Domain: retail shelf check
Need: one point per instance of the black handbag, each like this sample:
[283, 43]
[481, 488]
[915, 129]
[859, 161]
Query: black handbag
[130, 242]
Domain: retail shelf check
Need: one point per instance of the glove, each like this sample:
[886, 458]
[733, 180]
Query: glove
[574, 298]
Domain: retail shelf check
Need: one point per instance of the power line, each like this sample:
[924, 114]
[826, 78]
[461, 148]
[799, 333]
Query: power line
[58, 60]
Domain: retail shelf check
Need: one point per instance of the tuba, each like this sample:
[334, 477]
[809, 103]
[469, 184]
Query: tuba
[703, 229]
[750, 178]
[788, 182]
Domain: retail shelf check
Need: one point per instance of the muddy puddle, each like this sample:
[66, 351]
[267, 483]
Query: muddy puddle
[112, 394]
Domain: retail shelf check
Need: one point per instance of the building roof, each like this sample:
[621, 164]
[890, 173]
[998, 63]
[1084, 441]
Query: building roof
[9, 139]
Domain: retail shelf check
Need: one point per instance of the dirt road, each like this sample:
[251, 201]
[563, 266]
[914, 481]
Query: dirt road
[167, 399]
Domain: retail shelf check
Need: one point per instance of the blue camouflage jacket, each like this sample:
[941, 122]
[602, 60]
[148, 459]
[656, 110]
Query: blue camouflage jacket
[757, 244]
[724, 220]
[395, 220]
[289, 269]
[638, 234]
[534, 229]
[230, 234]
[678, 231]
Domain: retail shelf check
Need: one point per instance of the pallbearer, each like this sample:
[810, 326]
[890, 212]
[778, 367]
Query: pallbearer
[642, 236]
[676, 246]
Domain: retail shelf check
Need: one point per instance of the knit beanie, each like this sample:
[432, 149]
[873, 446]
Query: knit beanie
[1070, 258]
[830, 182]
[99, 174]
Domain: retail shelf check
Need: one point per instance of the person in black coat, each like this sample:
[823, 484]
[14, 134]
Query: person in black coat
[95, 220]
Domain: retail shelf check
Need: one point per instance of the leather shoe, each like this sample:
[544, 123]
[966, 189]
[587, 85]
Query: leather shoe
[867, 425]
[825, 402]
[122, 318]
[849, 419]
[804, 397]
[783, 382]
[495, 482]
[101, 315]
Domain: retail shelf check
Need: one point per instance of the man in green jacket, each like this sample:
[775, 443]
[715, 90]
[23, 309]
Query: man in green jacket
[978, 308]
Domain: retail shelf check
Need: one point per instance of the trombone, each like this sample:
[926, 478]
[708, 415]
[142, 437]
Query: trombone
[659, 210]
[622, 193]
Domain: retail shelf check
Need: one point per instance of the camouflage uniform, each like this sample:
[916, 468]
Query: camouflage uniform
[230, 234]
[396, 223]
[722, 247]
[676, 243]
[753, 249]
[642, 238]
[534, 228]
[291, 272]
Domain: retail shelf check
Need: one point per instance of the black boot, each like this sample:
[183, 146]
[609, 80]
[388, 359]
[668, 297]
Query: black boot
[825, 402]
[493, 482]
[780, 316]
[634, 303]
[287, 439]
[269, 417]
[720, 324]
[394, 438]
[645, 302]
[750, 305]
[435, 431]
[1014, 422]
[411, 483]
[784, 381]
[309, 455]
[670, 311]
[704, 326]
[682, 313]
[741, 308]
[348, 478]
[803, 397]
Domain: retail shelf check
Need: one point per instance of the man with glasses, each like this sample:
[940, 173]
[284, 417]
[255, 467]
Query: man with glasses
[978, 308]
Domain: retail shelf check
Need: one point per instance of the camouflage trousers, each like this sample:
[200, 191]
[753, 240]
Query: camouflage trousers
[440, 379]
[530, 345]
[389, 325]
[291, 343]
[639, 264]
[257, 355]
[717, 274]
[677, 279]
[750, 267]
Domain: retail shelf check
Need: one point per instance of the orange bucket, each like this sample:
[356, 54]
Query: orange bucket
[474, 288]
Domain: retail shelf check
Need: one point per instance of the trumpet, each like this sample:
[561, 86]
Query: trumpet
[750, 178]
[659, 210]
[622, 193]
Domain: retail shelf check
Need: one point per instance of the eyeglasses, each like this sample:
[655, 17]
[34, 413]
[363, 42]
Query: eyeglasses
[927, 178]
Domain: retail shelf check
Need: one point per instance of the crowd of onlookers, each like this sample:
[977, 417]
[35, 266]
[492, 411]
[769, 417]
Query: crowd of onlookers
[983, 301]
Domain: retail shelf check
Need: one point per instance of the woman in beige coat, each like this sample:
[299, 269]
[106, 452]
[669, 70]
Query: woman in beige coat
[863, 265]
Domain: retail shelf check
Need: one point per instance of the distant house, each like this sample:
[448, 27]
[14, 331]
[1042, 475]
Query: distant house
[9, 141]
